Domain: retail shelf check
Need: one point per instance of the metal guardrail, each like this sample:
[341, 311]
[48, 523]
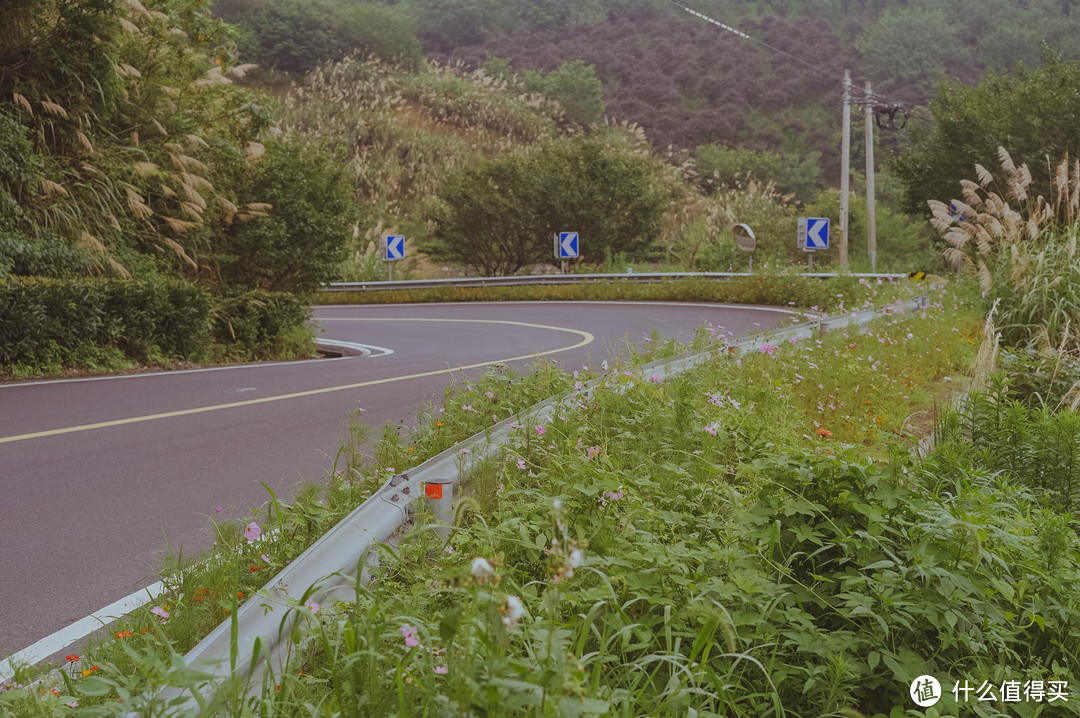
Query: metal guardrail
[553, 279]
[327, 569]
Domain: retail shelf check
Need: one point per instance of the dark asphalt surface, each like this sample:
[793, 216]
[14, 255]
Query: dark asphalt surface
[84, 515]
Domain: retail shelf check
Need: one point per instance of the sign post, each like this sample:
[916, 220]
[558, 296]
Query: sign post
[394, 251]
[566, 247]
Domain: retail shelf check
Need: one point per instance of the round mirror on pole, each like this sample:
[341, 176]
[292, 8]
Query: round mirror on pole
[745, 240]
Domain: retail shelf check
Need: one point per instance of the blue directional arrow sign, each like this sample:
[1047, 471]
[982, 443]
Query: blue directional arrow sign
[817, 233]
[567, 246]
[395, 247]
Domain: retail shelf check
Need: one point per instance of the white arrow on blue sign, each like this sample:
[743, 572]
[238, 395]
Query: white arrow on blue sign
[395, 247]
[817, 233]
[568, 245]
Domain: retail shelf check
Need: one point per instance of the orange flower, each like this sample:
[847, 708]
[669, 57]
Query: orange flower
[123, 634]
[85, 673]
[255, 569]
[824, 432]
[72, 657]
[55, 691]
[239, 594]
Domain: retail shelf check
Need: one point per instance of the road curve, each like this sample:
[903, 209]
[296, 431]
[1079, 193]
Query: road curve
[96, 474]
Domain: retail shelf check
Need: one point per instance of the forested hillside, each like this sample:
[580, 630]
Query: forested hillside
[734, 105]
[265, 145]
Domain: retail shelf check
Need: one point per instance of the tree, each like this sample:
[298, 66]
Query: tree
[573, 85]
[726, 167]
[500, 215]
[1031, 113]
[909, 47]
[447, 24]
[298, 35]
[302, 239]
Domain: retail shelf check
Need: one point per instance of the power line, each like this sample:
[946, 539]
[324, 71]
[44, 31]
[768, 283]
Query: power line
[879, 100]
[740, 33]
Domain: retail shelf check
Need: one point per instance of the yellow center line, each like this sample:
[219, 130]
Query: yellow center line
[586, 339]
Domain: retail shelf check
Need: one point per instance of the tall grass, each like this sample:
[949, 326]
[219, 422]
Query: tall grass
[1022, 249]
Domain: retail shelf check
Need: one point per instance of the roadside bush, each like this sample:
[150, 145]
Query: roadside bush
[53, 323]
[762, 289]
[499, 215]
[260, 325]
[47, 325]
[301, 239]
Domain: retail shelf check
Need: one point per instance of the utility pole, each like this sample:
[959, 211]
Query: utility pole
[871, 208]
[845, 177]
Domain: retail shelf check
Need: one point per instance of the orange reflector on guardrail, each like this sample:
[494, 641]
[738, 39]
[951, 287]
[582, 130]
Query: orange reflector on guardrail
[433, 491]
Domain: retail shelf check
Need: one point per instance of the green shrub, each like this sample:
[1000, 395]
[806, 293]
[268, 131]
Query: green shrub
[1037, 447]
[763, 289]
[721, 166]
[63, 323]
[261, 325]
[499, 215]
[302, 239]
[47, 325]
[1038, 379]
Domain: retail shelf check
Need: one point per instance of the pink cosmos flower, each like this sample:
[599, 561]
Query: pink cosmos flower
[712, 429]
[592, 451]
[441, 670]
[541, 430]
[252, 532]
[521, 464]
[767, 348]
[655, 378]
[410, 635]
[312, 606]
[219, 509]
[159, 611]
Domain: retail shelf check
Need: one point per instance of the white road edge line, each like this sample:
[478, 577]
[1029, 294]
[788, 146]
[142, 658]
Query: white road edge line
[69, 635]
[367, 351]
[80, 629]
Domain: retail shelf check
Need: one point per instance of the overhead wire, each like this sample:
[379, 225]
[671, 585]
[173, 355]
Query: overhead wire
[877, 98]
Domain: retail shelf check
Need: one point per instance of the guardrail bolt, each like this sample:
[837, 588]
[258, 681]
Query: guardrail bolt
[440, 498]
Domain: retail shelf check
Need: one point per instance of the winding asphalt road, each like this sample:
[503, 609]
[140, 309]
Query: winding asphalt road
[96, 474]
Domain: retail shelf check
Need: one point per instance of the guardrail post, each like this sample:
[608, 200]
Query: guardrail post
[440, 498]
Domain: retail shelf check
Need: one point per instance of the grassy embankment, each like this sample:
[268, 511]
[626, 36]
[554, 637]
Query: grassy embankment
[754, 533]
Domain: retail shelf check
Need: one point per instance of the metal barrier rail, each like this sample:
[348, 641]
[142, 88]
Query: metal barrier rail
[552, 279]
[327, 569]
